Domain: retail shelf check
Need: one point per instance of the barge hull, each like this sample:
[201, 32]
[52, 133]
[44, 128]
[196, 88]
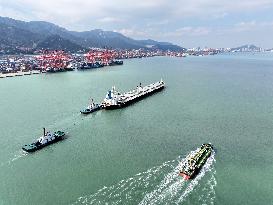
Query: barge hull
[121, 105]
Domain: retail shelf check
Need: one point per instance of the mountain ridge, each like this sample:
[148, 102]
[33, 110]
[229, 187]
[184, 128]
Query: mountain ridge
[246, 48]
[33, 35]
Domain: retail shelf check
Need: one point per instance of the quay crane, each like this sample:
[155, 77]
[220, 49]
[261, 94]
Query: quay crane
[104, 56]
[53, 61]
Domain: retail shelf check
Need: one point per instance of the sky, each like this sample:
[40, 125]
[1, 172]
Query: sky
[192, 23]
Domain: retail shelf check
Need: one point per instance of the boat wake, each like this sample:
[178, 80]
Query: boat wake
[16, 156]
[72, 120]
[159, 185]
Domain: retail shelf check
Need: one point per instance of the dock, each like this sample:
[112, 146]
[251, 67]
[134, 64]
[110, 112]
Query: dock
[19, 73]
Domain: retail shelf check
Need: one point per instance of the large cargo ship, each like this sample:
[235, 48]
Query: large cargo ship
[195, 161]
[115, 100]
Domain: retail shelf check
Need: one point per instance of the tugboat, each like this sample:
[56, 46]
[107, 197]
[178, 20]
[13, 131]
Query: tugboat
[50, 70]
[91, 108]
[47, 139]
[69, 67]
[54, 70]
[115, 62]
[86, 65]
[195, 161]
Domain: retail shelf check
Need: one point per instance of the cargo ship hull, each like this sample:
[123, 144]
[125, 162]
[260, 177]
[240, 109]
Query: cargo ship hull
[188, 176]
[129, 102]
[195, 162]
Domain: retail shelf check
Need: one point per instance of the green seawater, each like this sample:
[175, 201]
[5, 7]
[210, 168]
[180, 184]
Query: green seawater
[132, 155]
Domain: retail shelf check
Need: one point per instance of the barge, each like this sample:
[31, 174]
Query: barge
[115, 100]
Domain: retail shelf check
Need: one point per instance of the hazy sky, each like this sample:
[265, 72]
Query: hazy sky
[192, 23]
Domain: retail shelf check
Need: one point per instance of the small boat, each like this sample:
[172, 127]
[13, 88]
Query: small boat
[195, 161]
[69, 67]
[35, 72]
[50, 70]
[19, 73]
[91, 108]
[2, 75]
[26, 73]
[89, 65]
[115, 62]
[54, 70]
[10, 75]
[46, 139]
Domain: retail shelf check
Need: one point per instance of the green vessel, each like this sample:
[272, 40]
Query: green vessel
[46, 139]
[195, 161]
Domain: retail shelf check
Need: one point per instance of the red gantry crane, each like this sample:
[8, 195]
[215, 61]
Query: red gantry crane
[53, 61]
[103, 56]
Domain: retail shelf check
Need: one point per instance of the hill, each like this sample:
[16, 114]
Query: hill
[246, 48]
[17, 36]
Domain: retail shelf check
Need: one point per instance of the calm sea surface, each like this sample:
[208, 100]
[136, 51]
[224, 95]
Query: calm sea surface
[132, 155]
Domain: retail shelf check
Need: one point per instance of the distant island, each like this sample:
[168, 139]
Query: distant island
[247, 48]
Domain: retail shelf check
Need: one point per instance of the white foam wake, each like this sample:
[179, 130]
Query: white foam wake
[16, 156]
[193, 183]
[126, 191]
[158, 185]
